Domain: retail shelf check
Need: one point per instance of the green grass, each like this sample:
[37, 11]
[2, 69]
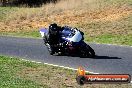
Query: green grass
[8, 77]
[6, 11]
[31, 34]
[16, 73]
[112, 39]
[15, 13]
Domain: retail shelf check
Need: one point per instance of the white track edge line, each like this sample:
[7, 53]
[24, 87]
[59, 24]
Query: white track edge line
[57, 66]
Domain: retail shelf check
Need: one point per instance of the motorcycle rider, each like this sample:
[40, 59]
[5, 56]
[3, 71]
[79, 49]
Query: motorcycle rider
[54, 36]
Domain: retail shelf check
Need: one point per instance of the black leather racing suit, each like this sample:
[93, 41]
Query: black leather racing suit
[54, 38]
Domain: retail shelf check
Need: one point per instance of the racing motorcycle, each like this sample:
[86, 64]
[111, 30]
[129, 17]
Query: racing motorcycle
[72, 43]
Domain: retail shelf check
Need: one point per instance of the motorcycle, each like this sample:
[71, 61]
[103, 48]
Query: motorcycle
[72, 43]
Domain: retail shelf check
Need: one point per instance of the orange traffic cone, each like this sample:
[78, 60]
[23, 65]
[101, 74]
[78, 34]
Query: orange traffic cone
[81, 71]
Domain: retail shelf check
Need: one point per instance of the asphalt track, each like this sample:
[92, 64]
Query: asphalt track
[110, 58]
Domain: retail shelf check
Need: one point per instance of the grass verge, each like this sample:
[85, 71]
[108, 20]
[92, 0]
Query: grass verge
[31, 34]
[9, 67]
[16, 73]
[111, 39]
[102, 21]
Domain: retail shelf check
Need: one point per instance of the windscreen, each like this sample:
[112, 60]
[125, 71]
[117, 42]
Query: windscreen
[76, 38]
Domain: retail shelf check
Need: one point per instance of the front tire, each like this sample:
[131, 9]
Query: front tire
[45, 39]
[50, 49]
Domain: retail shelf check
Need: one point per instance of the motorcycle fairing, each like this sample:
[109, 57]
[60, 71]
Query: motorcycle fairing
[67, 34]
[43, 31]
[71, 38]
[76, 38]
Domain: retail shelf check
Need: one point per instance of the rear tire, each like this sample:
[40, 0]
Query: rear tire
[91, 52]
[87, 51]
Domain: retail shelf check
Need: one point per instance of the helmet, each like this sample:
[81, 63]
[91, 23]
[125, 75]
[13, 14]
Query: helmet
[53, 27]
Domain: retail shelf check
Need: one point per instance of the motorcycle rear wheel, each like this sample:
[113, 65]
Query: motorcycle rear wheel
[87, 51]
[91, 52]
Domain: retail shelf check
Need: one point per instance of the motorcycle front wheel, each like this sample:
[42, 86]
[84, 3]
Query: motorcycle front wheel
[50, 49]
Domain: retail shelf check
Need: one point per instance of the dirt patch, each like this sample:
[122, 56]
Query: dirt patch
[72, 17]
[55, 77]
[49, 76]
[66, 17]
[111, 14]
